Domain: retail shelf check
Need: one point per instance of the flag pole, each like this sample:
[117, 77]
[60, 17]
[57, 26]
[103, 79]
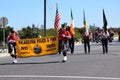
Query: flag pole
[56, 5]
[44, 18]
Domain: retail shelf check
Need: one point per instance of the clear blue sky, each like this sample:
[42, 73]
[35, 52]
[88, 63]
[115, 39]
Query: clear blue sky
[22, 13]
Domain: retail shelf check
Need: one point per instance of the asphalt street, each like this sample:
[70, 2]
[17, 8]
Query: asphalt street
[79, 66]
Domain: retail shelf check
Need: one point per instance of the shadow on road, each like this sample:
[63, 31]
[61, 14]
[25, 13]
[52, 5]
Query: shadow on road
[52, 62]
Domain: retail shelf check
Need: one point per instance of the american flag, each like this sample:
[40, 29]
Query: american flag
[57, 20]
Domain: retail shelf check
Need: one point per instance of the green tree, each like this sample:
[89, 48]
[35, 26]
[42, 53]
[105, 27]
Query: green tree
[7, 31]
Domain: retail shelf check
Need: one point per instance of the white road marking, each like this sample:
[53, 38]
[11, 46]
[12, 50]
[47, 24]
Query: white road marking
[67, 77]
[95, 48]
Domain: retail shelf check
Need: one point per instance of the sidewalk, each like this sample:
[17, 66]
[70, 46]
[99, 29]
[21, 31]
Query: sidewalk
[4, 53]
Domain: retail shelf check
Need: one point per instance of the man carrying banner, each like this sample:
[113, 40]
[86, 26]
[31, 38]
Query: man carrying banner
[12, 37]
[64, 37]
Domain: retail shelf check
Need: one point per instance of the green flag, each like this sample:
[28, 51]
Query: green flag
[72, 24]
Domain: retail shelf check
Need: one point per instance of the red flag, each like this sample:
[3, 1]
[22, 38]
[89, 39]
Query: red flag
[57, 19]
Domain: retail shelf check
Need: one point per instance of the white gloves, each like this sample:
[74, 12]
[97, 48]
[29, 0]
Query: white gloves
[63, 35]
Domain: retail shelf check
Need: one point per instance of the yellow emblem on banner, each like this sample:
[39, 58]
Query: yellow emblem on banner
[37, 46]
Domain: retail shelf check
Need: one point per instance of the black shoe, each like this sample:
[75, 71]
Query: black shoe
[72, 52]
[88, 51]
[59, 52]
[63, 61]
[106, 52]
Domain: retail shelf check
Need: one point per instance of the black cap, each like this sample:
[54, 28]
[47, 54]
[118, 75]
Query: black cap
[13, 31]
[64, 25]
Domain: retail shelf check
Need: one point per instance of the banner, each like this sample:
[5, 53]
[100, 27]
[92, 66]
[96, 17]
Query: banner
[37, 46]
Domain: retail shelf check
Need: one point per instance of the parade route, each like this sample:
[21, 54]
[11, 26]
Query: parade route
[80, 66]
[60, 77]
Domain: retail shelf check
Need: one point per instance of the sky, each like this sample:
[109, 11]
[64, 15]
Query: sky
[21, 13]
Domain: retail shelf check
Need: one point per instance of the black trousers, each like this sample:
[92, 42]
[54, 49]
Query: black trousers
[12, 49]
[119, 38]
[71, 44]
[63, 47]
[87, 44]
[105, 45]
[60, 46]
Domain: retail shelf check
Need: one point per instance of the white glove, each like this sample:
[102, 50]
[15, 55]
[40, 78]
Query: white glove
[63, 35]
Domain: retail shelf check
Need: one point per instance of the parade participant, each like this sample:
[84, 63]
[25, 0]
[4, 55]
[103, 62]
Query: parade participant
[72, 40]
[59, 43]
[119, 36]
[111, 36]
[105, 36]
[64, 36]
[97, 35]
[72, 32]
[12, 37]
[86, 38]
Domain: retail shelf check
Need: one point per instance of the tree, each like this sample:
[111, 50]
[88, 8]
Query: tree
[7, 31]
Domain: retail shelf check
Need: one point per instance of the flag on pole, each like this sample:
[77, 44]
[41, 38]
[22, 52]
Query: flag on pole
[104, 21]
[72, 24]
[57, 19]
[84, 21]
[85, 25]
